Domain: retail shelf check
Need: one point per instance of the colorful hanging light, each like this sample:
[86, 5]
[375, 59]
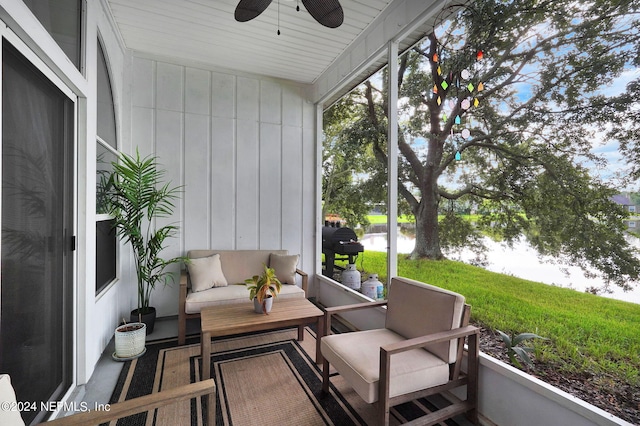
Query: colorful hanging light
[461, 101]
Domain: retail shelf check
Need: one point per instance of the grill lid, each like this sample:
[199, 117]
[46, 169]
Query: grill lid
[333, 236]
[340, 240]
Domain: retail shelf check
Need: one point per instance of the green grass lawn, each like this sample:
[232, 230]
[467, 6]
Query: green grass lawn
[586, 332]
[382, 218]
[376, 219]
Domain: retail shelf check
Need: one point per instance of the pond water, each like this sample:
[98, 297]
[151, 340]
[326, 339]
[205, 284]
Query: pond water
[521, 261]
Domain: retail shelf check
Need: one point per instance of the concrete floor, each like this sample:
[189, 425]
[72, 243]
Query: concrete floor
[103, 381]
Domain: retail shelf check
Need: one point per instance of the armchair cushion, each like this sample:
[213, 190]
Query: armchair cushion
[206, 273]
[9, 415]
[357, 357]
[407, 316]
[284, 266]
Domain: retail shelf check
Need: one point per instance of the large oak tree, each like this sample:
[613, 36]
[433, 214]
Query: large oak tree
[503, 107]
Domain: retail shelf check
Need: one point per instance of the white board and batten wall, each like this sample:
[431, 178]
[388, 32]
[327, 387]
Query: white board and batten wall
[242, 147]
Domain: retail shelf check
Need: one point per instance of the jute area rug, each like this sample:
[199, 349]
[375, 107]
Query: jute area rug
[262, 379]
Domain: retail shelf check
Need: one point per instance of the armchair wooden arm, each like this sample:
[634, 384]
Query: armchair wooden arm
[329, 312]
[354, 307]
[305, 281]
[184, 277]
[182, 300]
[424, 341]
[145, 403]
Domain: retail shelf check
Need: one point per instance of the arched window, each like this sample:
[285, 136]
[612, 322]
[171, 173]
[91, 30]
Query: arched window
[106, 153]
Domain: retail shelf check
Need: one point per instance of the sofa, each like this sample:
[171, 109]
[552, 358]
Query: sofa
[210, 278]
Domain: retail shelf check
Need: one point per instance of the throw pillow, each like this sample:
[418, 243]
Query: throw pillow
[284, 266]
[206, 273]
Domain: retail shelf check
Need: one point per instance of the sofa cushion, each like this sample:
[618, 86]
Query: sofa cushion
[238, 265]
[195, 301]
[206, 272]
[284, 266]
[357, 357]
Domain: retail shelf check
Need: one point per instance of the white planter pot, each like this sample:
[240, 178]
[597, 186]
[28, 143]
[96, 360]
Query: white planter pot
[130, 340]
[268, 304]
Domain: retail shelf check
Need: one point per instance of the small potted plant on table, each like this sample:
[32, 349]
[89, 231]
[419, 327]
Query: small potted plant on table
[262, 289]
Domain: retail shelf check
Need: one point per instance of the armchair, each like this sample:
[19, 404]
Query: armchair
[418, 353]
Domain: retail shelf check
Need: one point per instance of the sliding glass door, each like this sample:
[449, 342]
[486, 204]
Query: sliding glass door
[36, 288]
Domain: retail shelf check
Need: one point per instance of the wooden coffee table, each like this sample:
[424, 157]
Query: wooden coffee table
[239, 318]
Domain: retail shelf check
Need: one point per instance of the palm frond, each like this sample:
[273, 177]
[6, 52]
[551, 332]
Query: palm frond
[136, 198]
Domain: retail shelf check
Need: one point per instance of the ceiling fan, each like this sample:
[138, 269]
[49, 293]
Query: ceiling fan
[327, 12]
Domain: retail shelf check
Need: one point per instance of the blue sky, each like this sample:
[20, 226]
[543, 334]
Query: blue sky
[609, 149]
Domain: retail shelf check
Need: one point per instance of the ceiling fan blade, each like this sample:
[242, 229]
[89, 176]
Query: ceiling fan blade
[246, 10]
[327, 12]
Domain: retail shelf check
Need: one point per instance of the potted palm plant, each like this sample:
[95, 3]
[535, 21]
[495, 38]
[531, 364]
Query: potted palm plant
[136, 198]
[262, 289]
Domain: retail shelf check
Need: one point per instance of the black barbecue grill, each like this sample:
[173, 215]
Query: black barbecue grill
[338, 241]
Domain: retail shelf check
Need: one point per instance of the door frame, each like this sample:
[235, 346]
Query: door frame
[32, 57]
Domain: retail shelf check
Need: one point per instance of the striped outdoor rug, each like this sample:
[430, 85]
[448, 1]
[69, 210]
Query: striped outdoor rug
[262, 379]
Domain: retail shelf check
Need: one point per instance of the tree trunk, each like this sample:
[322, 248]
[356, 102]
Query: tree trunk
[427, 236]
[426, 213]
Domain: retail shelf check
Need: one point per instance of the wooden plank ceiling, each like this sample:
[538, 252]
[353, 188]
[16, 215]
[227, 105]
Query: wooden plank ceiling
[205, 31]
